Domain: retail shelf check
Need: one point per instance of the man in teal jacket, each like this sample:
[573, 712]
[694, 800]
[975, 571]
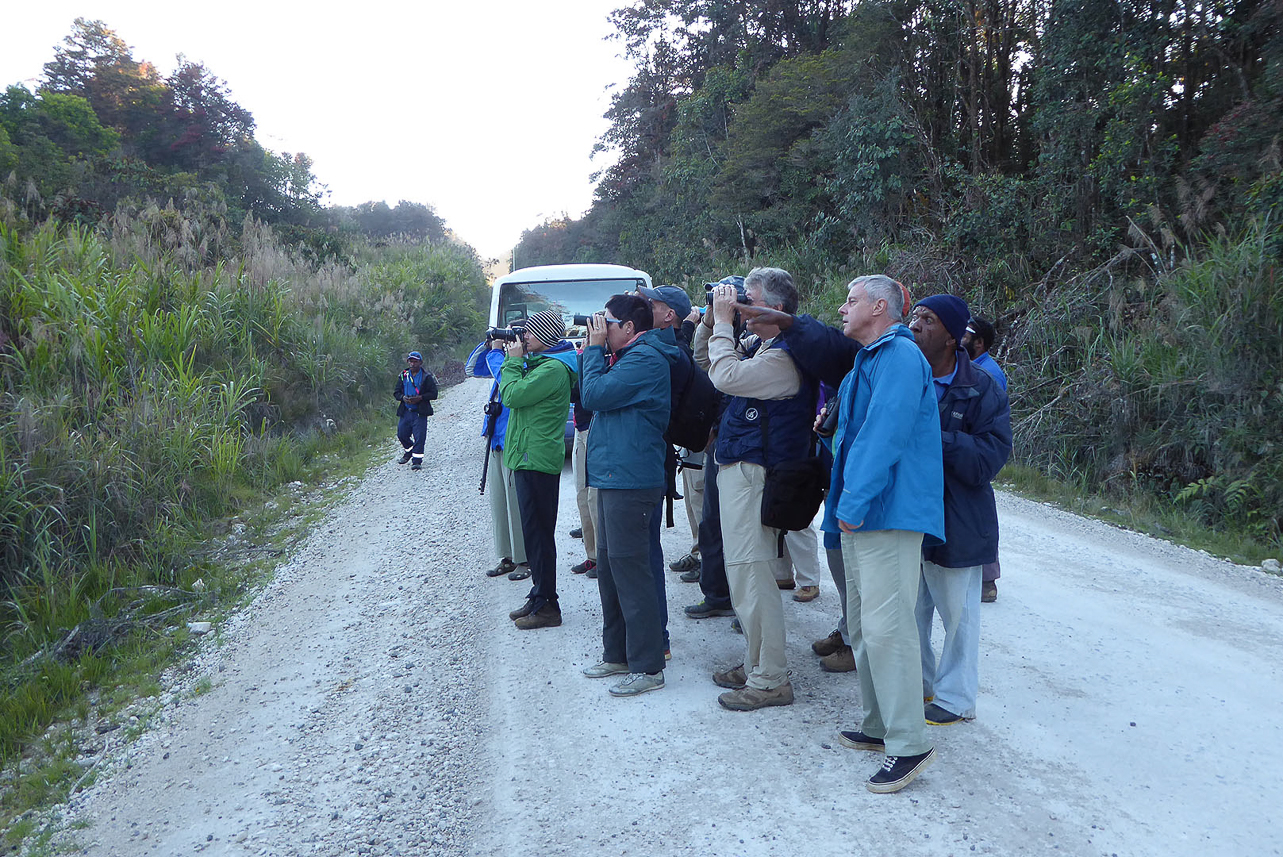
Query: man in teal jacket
[885, 494]
[628, 392]
[535, 381]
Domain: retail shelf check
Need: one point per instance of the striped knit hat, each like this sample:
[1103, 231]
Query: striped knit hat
[547, 326]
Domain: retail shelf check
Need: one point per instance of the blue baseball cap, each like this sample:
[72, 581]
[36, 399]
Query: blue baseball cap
[671, 295]
[414, 355]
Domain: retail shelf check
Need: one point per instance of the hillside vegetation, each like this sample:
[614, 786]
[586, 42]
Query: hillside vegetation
[1101, 178]
[184, 332]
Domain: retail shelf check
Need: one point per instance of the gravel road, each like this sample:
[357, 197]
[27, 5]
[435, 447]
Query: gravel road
[375, 699]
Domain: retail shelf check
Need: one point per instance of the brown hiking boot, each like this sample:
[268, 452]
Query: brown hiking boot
[828, 645]
[734, 678]
[752, 698]
[547, 616]
[806, 593]
[841, 661]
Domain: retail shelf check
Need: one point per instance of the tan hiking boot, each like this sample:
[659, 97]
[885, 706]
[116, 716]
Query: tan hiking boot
[734, 678]
[828, 645]
[752, 698]
[841, 661]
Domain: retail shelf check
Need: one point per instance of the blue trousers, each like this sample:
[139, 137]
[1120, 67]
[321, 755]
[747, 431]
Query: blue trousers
[412, 430]
[712, 571]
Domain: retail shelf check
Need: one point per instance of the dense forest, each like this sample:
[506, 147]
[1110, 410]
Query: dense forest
[1101, 177]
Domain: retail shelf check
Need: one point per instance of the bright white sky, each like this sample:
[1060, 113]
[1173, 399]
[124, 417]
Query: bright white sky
[486, 111]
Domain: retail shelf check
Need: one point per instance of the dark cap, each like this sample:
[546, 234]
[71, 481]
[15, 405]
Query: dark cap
[671, 295]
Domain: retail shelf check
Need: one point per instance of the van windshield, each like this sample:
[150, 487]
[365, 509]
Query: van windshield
[518, 301]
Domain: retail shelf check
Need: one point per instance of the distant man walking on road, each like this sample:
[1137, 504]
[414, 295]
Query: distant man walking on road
[414, 391]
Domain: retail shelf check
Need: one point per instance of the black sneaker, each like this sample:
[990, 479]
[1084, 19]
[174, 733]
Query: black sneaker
[898, 771]
[691, 576]
[585, 566]
[591, 573]
[524, 610]
[405, 459]
[703, 610]
[938, 716]
[857, 740]
[418, 465]
[577, 533]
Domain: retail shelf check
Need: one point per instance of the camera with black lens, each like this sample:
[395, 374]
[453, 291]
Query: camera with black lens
[494, 409]
[580, 320]
[507, 334]
[741, 294]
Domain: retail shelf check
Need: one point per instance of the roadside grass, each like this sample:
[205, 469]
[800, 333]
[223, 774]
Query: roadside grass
[1139, 511]
[166, 415]
[73, 707]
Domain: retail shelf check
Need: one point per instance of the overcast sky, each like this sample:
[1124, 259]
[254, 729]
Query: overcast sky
[486, 111]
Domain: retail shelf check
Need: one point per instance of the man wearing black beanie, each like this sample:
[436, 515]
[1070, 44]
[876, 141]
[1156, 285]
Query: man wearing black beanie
[975, 435]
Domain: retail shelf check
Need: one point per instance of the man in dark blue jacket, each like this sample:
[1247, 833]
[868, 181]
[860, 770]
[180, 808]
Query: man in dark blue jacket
[975, 434]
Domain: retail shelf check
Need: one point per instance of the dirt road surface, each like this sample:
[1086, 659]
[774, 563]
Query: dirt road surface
[376, 700]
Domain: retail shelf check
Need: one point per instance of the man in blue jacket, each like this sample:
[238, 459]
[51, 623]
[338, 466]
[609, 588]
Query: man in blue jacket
[624, 382]
[975, 435]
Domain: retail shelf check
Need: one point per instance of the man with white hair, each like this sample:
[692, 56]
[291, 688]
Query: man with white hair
[767, 421]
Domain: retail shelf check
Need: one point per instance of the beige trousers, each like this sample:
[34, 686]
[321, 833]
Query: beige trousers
[751, 571]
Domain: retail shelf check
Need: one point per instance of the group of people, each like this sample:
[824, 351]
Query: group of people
[910, 410]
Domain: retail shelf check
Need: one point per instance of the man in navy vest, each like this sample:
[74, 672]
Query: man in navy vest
[767, 420]
[414, 391]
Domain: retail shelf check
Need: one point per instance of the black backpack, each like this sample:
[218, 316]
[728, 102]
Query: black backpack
[696, 405]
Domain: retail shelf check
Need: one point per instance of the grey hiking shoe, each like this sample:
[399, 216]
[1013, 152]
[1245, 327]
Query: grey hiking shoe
[703, 610]
[605, 669]
[405, 459]
[686, 563]
[691, 576]
[638, 683]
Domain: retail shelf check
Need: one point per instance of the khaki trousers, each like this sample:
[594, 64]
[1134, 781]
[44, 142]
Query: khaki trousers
[882, 572]
[751, 570]
[585, 497]
[505, 514]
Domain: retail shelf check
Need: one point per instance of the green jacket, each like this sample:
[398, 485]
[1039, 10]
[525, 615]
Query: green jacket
[536, 391]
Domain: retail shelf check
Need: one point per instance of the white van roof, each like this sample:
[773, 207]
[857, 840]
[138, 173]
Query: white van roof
[548, 273]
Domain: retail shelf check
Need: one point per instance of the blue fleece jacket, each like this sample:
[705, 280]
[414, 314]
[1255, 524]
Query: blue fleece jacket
[887, 467]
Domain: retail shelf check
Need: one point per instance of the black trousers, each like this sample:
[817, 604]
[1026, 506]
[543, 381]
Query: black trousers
[537, 499]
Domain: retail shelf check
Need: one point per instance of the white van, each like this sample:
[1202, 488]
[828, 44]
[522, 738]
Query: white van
[570, 289]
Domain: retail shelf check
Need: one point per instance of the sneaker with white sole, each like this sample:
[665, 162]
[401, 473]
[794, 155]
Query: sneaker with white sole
[638, 683]
[898, 771]
[605, 669]
[857, 740]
